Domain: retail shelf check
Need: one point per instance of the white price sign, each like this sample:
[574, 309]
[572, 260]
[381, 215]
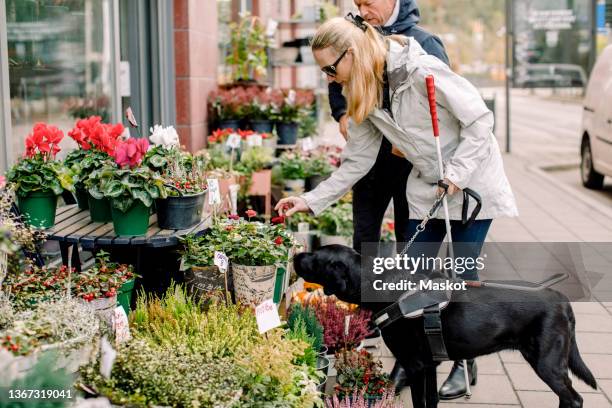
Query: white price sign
[233, 141]
[267, 316]
[214, 194]
[221, 261]
[255, 140]
[121, 326]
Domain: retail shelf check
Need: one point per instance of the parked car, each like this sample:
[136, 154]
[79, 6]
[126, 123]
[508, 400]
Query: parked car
[596, 147]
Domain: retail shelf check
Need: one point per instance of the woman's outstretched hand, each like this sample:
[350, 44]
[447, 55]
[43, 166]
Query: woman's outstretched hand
[290, 205]
[452, 189]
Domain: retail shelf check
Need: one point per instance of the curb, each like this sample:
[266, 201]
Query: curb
[576, 193]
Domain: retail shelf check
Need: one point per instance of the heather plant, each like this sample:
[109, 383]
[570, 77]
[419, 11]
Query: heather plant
[358, 370]
[358, 400]
[332, 317]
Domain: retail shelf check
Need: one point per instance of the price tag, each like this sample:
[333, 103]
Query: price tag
[307, 144]
[214, 194]
[267, 316]
[255, 140]
[121, 326]
[233, 141]
[221, 261]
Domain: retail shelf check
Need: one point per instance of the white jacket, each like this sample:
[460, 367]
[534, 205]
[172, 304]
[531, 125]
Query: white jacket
[470, 151]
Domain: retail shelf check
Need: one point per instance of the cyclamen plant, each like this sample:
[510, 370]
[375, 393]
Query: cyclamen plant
[38, 170]
[97, 142]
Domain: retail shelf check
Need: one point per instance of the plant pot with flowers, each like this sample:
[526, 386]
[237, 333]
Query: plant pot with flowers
[289, 107]
[333, 315]
[336, 225]
[259, 110]
[318, 169]
[202, 277]
[227, 106]
[184, 180]
[255, 250]
[293, 170]
[131, 188]
[359, 371]
[38, 178]
[96, 143]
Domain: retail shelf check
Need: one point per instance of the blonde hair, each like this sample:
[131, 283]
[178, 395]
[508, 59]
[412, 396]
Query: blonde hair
[365, 86]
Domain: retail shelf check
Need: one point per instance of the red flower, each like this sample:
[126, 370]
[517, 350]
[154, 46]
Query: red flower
[245, 133]
[233, 217]
[278, 240]
[131, 152]
[43, 139]
[278, 220]
[391, 226]
[251, 213]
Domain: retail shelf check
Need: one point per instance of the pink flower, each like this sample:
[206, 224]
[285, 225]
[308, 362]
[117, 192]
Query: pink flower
[131, 152]
[234, 217]
[251, 213]
[2, 181]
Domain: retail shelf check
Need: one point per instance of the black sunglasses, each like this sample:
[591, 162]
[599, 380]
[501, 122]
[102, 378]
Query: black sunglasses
[331, 69]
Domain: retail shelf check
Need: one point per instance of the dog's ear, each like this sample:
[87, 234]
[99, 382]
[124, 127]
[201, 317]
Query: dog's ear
[305, 266]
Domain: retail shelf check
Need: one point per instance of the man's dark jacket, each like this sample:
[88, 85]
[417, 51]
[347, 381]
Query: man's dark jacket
[406, 24]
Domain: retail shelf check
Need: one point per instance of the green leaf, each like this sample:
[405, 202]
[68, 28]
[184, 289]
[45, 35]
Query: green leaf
[143, 196]
[113, 189]
[123, 204]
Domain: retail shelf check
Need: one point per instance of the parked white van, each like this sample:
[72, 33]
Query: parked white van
[596, 145]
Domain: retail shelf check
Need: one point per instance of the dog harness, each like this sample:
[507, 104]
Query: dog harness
[414, 304]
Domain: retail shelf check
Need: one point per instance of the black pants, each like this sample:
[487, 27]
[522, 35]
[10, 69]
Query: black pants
[372, 194]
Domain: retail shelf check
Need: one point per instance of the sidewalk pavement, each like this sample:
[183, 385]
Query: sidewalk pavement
[549, 212]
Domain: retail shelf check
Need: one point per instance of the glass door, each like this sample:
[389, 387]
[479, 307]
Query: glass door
[61, 63]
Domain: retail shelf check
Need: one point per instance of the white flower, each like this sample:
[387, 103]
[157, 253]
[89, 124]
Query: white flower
[290, 99]
[166, 137]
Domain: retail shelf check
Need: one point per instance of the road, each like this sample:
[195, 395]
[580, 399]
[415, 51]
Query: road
[547, 133]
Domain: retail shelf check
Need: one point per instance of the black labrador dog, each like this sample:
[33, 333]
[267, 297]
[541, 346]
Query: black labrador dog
[540, 325]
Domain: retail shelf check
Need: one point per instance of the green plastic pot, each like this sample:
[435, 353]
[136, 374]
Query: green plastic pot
[82, 197]
[38, 208]
[124, 295]
[100, 210]
[135, 221]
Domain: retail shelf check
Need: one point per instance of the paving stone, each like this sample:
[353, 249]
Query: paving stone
[490, 364]
[511, 356]
[606, 387]
[537, 399]
[594, 323]
[596, 343]
[525, 379]
[589, 308]
[599, 364]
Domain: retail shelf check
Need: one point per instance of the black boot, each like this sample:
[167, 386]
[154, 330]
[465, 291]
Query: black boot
[454, 386]
[398, 377]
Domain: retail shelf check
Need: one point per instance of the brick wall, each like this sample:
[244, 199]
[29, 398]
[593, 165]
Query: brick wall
[196, 58]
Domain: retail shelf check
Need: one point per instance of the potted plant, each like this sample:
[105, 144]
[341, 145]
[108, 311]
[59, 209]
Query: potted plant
[106, 279]
[293, 170]
[318, 168]
[66, 326]
[96, 143]
[248, 55]
[254, 167]
[254, 250]
[184, 180]
[259, 110]
[289, 108]
[203, 279]
[227, 106]
[358, 370]
[38, 178]
[333, 315]
[130, 187]
[336, 225]
[358, 400]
